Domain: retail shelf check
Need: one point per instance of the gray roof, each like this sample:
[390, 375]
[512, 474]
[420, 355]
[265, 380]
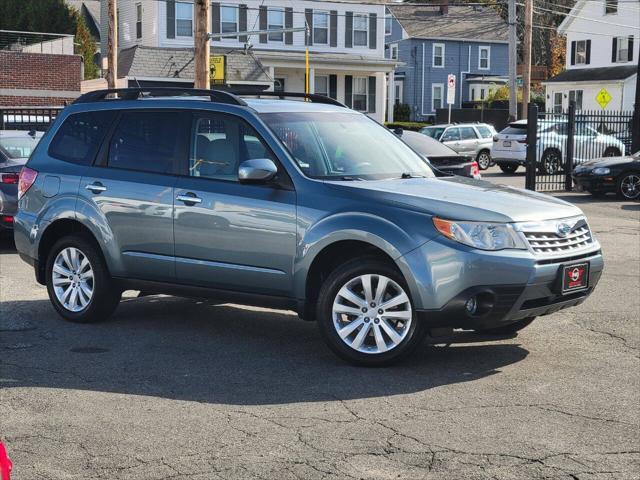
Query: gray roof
[139, 61]
[620, 72]
[477, 23]
[326, 57]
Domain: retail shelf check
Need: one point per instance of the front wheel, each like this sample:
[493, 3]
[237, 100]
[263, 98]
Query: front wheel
[484, 160]
[629, 186]
[508, 167]
[509, 329]
[78, 282]
[365, 313]
[551, 162]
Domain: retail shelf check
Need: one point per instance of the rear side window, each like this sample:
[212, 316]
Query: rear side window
[467, 133]
[150, 141]
[80, 136]
[484, 132]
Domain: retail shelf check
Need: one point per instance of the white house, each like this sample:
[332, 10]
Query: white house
[345, 41]
[603, 41]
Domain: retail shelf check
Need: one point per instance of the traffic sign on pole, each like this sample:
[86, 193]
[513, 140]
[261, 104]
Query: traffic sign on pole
[451, 89]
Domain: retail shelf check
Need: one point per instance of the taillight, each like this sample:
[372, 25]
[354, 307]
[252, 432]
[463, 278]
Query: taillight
[475, 170]
[8, 219]
[27, 178]
[10, 178]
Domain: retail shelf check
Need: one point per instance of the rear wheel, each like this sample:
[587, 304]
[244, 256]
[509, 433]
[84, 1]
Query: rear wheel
[551, 161]
[78, 282]
[507, 329]
[483, 159]
[366, 315]
[629, 186]
[508, 167]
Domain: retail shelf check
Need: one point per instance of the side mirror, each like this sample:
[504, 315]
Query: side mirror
[257, 170]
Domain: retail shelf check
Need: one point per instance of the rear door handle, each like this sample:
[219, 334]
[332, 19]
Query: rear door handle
[189, 198]
[96, 187]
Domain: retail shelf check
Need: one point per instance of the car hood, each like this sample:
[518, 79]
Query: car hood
[13, 164]
[608, 161]
[461, 198]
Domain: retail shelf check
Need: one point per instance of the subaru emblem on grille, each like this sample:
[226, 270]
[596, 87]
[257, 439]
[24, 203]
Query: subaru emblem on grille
[563, 229]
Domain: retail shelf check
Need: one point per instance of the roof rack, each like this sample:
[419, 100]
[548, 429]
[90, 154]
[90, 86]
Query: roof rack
[220, 96]
[314, 97]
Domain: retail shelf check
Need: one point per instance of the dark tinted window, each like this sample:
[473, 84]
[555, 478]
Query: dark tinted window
[427, 146]
[515, 129]
[79, 137]
[152, 141]
[467, 133]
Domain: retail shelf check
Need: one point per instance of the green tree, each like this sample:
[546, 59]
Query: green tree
[85, 46]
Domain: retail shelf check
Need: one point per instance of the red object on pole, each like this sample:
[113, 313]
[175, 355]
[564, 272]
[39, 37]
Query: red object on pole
[5, 464]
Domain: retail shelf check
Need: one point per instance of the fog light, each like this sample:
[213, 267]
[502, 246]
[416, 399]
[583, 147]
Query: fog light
[471, 306]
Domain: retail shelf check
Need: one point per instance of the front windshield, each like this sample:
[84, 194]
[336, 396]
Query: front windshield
[17, 147]
[345, 146]
[433, 132]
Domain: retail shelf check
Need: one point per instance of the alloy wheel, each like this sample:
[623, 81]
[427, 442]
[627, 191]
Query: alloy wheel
[372, 314]
[484, 159]
[72, 279]
[630, 186]
[551, 163]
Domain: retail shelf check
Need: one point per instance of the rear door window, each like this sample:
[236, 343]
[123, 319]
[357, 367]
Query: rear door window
[149, 141]
[451, 135]
[467, 133]
[79, 137]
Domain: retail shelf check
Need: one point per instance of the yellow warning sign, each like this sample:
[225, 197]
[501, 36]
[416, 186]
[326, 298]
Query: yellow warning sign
[603, 98]
[216, 69]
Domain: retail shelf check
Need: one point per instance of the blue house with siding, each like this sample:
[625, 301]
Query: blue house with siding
[431, 42]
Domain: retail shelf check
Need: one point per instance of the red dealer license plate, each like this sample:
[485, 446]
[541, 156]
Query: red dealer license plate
[575, 277]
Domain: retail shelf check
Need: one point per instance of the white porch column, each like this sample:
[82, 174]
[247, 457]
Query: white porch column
[391, 95]
[272, 75]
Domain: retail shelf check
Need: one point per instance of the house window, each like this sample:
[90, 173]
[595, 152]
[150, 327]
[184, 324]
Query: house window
[228, 19]
[275, 21]
[473, 94]
[388, 24]
[484, 58]
[321, 28]
[557, 102]
[138, 20]
[610, 6]
[436, 96]
[360, 30]
[394, 52]
[438, 55]
[321, 85]
[398, 94]
[360, 85]
[279, 84]
[482, 91]
[622, 49]
[184, 19]
[576, 96]
[581, 52]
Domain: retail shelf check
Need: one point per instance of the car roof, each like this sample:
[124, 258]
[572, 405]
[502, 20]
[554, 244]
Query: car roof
[461, 124]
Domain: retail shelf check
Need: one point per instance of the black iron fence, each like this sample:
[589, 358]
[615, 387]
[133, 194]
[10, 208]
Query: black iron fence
[558, 141]
[28, 118]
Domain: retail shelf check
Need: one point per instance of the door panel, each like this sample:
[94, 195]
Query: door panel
[451, 138]
[231, 235]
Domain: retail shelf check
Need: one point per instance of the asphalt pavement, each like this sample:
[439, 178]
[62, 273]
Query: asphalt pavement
[173, 388]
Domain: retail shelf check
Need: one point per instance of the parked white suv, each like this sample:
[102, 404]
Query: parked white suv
[509, 149]
[471, 139]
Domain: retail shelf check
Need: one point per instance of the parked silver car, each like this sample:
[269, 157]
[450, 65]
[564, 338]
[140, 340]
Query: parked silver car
[471, 139]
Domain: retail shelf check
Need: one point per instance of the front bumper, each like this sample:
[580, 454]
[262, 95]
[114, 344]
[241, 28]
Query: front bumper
[594, 183]
[509, 285]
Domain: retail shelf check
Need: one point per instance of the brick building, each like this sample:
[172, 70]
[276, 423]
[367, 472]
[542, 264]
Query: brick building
[38, 79]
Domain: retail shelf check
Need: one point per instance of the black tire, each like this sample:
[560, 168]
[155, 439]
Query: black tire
[324, 313]
[612, 152]
[508, 167]
[483, 159]
[105, 296]
[625, 181]
[508, 329]
[551, 162]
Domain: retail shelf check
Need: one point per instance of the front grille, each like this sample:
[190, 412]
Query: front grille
[553, 243]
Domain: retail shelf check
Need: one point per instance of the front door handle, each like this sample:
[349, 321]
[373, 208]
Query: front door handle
[189, 199]
[96, 187]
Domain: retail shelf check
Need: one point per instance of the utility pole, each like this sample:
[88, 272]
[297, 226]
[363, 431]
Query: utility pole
[202, 46]
[513, 62]
[526, 73]
[112, 45]
[635, 122]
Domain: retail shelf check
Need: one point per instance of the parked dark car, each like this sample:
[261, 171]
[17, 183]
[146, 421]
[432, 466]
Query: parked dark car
[15, 148]
[612, 174]
[439, 156]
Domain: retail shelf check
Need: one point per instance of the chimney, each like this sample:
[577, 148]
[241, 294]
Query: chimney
[444, 7]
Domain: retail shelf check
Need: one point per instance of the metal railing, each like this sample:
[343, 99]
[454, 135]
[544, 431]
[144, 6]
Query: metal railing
[28, 118]
[36, 42]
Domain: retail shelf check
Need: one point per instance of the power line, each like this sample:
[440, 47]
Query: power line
[581, 17]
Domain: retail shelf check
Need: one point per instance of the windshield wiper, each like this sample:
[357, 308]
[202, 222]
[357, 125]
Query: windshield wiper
[410, 175]
[348, 178]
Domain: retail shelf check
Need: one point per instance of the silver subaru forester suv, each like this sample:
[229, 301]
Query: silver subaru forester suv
[471, 139]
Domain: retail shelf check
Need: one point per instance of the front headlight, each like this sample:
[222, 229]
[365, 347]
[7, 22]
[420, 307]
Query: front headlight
[485, 236]
[601, 171]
